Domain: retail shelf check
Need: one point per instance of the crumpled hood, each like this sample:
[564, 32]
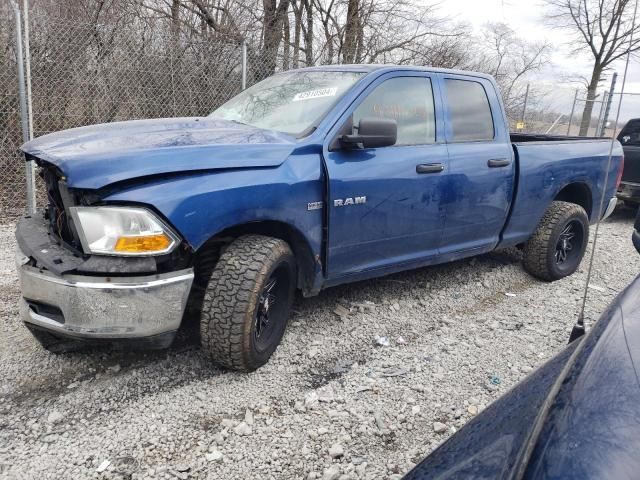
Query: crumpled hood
[99, 155]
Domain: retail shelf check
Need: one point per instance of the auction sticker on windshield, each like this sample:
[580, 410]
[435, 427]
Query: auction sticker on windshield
[320, 92]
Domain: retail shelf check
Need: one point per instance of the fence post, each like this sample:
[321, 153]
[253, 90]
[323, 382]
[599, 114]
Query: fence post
[573, 109]
[173, 81]
[244, 64]
[602, 103]
[27, 62]
[524, 107]
[31, 194]
[605, 119]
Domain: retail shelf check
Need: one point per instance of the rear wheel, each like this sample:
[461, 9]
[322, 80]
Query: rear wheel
[556, 248]
[247, 302]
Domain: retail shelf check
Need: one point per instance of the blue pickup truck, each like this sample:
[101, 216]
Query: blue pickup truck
[309, 179]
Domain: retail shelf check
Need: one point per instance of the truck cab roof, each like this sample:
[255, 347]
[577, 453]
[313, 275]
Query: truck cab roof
[369, 68]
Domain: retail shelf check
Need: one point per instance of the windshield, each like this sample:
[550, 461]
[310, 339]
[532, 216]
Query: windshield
[291, 102]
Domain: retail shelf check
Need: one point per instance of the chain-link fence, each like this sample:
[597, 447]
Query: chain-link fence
[557, 109]
[83, 74]
[12, 175]
[93, 73]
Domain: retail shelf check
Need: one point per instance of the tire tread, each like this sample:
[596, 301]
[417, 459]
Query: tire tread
[537, 248]
[231, 296]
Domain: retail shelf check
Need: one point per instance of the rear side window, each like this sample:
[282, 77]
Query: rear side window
[469, 110]
[630, 134]
[408, 101]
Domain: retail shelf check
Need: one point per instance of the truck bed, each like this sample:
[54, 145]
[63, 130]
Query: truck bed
[545, 164]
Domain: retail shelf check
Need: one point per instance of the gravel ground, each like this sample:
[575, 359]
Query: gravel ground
[330, 404]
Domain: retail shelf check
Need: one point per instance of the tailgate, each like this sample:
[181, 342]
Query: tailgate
[631, 171]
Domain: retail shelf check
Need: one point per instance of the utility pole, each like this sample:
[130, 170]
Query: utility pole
[524, 107]
[607, 110]
[573, 109]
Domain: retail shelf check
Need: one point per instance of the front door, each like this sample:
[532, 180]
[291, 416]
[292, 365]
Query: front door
[385, 204]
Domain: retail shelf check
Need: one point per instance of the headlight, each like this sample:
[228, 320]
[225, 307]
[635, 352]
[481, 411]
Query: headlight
[122, 231]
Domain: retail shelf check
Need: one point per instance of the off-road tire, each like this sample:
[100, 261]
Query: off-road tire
[232, 298]
[539, 251]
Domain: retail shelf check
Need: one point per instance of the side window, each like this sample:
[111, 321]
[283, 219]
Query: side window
[408, 101]
[630, 134]
[469, 110]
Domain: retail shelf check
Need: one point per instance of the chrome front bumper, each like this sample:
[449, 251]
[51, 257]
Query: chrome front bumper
[103, 307]
[610, 207]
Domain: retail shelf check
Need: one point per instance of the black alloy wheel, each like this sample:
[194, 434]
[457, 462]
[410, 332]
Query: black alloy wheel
[569, 243]
[272, 309]
[557, 246]
[247, 302]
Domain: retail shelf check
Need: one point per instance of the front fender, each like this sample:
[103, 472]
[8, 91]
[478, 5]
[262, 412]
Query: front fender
[201, 205]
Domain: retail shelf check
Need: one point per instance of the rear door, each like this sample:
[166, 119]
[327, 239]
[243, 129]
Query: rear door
[481, 165]
[385, 204]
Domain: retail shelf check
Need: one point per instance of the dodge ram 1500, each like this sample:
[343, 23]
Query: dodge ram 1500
[309, 179]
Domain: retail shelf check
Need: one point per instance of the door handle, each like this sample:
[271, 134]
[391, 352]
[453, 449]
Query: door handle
[429, 168]
[498, 162]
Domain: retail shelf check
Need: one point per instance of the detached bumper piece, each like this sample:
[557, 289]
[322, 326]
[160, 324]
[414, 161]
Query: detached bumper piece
[629, 191]
[104, 308]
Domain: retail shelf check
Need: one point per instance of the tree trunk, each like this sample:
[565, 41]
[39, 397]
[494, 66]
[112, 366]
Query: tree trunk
[297, 29]
[273, 21]
[287, 43]
[175, 19]
[360, 43]
[591, 95]
[351, 32]
[308, 36]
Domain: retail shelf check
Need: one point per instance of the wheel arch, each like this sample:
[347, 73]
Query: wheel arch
[579, 193]
[306, 261]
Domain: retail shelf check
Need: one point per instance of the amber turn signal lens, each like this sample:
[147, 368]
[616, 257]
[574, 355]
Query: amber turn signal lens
[143, 243]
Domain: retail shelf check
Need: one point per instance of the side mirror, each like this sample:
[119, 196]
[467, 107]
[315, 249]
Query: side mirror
[636, 232]
[372, 133]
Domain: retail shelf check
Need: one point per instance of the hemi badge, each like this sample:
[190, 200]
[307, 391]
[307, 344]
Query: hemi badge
[314, 206]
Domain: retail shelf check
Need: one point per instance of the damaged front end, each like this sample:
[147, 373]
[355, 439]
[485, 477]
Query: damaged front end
[70, 292]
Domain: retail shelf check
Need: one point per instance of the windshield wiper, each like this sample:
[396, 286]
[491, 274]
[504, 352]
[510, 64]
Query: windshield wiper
[240, 123]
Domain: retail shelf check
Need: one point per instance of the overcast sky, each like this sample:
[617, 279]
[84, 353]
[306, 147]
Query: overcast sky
[526, 17]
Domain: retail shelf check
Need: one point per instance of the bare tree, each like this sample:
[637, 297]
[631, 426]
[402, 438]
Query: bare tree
[510, 60]
[274, 14]
[376, 31]
[603, 28]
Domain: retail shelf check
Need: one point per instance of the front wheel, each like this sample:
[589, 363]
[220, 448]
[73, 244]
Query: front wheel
[247, 302]
[556, 248]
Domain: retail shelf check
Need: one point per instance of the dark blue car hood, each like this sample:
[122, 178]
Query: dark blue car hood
[100, 155]
[591, 428]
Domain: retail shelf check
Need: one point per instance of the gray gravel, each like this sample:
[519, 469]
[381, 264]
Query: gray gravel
[369, 379]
